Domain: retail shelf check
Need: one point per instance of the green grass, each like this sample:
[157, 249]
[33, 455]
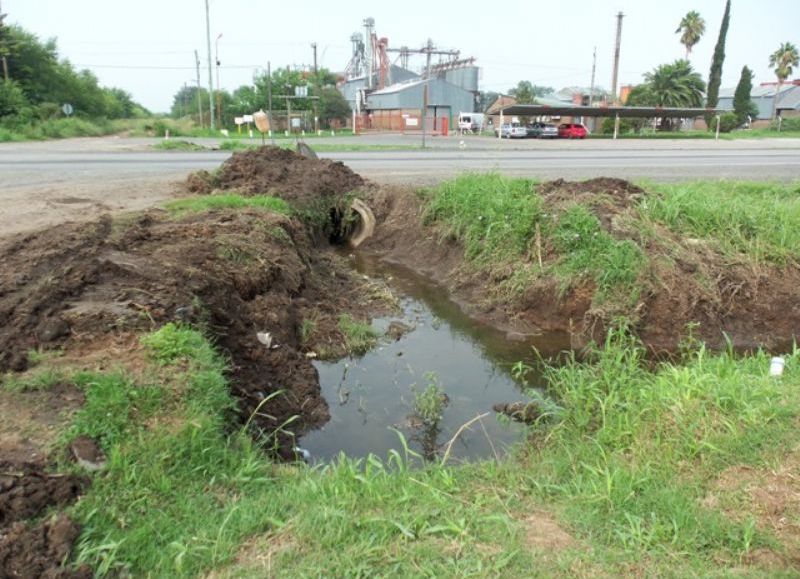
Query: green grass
[493, 216]
[623, 467]
[228, 201]
[359, 337]
[178, 145]
[590, 251]
[55, 129]
[760, 221]
[496, 219]
[636, 448]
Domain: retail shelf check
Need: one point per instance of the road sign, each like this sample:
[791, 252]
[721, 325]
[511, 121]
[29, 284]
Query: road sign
[238, 120]
[67, 109]
[248, 118]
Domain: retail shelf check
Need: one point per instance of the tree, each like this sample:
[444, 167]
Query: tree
[743, 107]
[782, 61]
[543, 91]
[692, 28]
[674, 85]
[669, 85]
[715, 75]
[523, 92]
[333, 106]
[486, 98]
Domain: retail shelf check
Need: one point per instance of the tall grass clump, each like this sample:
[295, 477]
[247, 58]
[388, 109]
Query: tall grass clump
[760, 221]
[179, 492]
[359, 337]
[637, 445]
[493, 216]
[588, 250]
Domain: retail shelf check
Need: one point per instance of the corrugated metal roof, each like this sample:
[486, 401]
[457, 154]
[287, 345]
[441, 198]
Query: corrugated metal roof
[398, 87]
[623, 112]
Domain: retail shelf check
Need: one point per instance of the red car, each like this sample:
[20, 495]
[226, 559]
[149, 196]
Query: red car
[572, 131]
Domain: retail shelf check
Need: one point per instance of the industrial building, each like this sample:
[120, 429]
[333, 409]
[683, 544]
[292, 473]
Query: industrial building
[764, 96]
[389, 96]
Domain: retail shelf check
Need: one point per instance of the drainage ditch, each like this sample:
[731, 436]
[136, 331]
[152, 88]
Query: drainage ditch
[373, 399]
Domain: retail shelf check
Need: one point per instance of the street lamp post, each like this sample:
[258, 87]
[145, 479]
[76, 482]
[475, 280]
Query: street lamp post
[219, 95]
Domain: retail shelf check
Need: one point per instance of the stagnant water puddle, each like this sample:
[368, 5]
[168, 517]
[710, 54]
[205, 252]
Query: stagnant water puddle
[372, 396]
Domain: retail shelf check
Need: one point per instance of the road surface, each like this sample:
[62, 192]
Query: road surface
[50, 182]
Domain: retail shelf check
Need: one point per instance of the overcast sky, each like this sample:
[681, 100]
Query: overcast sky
[146, 47]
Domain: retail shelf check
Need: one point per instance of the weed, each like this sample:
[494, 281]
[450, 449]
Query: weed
[307, 329]
[359, 336]
[429, 403]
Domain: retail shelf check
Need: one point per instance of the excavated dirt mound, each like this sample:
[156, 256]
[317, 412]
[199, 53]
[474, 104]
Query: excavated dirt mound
[38, 551]
[279, 172]
[235, 273]
[686, 283]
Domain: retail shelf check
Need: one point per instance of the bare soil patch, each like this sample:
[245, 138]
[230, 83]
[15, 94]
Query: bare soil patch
[38, 550]
[772, 497]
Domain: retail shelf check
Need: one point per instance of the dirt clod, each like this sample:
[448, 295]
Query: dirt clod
[26, 491]
[40, 550]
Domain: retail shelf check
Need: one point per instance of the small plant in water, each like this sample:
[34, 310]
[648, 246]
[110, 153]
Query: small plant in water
[429, 405]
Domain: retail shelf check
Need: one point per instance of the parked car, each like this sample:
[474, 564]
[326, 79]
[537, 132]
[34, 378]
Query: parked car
[542, 131]
[511, 131]
[572, 131]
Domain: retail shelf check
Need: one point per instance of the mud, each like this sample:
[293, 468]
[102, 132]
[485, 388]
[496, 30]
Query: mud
[235, 273]
[279, 172]
[39, 550]
[687, 283]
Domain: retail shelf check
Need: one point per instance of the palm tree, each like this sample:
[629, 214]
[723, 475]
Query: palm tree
[675, 85]
[783, 60]
[692, 27]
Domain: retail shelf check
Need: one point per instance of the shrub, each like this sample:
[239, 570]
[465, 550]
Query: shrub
[727, 122]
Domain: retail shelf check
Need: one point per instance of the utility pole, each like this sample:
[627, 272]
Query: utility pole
[199, 97]
[219, 94]
[3, 56]
[314, 48]
[316, 87]
[614, 97]
[428, 50]
[269, 103]
[210, 73]
[615, 74]
[594, 67]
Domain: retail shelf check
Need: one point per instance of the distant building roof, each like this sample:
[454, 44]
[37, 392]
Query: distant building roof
[398, 87]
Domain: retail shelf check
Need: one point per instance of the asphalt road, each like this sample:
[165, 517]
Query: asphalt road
[48, 182]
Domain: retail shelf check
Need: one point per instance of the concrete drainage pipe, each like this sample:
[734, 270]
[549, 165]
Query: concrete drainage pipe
[366, 223]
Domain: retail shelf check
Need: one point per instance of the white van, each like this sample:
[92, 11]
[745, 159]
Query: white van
[470, 122]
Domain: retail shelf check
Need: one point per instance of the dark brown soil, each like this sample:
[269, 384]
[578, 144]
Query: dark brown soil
[39, 550]
[279, 172]
[236, 273]
[687, 282]
[26, 491]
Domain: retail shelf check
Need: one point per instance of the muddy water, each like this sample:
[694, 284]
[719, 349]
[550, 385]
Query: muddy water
[372, 396]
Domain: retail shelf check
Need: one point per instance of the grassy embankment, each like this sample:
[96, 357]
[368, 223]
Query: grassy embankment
[629, 475]
[506, 229]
